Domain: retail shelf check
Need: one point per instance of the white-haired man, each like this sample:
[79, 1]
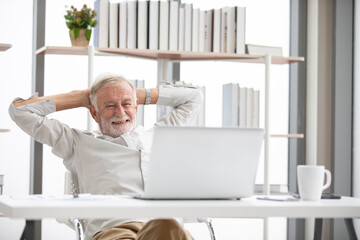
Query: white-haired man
[116, 161]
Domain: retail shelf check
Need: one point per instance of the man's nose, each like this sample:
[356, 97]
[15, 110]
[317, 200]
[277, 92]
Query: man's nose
[119, 111]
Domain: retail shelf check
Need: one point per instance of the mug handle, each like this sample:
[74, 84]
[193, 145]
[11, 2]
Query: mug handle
[328, 179]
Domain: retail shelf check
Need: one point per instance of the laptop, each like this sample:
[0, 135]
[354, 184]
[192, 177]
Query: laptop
[203, 163]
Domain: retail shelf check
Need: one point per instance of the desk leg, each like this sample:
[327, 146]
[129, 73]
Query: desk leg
[32, 231]
[351, 229]
[318, 228]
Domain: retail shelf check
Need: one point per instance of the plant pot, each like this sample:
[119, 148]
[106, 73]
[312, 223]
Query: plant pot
[80, 37]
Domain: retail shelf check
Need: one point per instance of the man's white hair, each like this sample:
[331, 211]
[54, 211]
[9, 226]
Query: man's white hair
[105, 80]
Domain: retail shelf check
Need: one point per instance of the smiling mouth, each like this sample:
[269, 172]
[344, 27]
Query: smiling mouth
[120, 122]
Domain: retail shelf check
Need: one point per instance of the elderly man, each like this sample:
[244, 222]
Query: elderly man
[116, 161]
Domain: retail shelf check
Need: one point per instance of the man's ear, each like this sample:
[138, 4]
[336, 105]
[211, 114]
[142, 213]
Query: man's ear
[137, 104]
[93, 113]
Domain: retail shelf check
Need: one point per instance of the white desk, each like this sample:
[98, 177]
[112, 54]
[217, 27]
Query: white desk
[122, 206]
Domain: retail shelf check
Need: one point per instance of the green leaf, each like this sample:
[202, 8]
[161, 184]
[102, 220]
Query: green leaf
[76, 32]
[88, 34]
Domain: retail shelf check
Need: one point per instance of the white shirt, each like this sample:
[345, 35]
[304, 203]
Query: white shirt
[105, 165]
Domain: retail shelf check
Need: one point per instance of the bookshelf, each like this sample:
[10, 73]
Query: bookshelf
[163, 59]
[169, 55]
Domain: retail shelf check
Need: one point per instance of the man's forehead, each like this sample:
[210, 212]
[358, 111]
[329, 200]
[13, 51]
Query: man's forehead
[117, 89]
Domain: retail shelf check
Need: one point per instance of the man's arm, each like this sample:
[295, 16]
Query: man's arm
[186, 104]
[141, 95]
[73, 99]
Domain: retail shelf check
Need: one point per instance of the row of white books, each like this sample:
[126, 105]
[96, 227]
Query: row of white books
[169, 25]
[240, 106]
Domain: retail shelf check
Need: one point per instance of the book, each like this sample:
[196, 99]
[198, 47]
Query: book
[242, 106]
[223, 30]
[181, 45]
[262, 50]
[230, 105]
[249, 107]
[240, 29]
[195, 29]
[202, 23]
[101, 36]
[230, 30]
[256, 109]
[123, 24]
[113, 24]
[164, 26]
[188, 26]
[216, 30]
[142, 18]
[131, 27]
[208, 30]
[154, 25]
[174, 25]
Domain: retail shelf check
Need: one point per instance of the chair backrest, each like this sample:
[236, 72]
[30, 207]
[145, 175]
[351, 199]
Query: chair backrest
[69, 186]
[76, 224]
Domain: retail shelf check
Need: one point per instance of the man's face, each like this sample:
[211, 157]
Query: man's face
[117, 108]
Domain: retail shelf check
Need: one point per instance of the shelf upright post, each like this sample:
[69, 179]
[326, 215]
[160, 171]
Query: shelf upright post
[91, 54]
[266, 189]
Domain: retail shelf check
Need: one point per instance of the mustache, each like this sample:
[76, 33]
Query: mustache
[118, 119]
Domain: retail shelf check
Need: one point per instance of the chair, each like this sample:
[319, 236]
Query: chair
[78, 225]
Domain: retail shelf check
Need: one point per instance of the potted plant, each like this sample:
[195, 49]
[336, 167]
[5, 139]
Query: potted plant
[80, 24]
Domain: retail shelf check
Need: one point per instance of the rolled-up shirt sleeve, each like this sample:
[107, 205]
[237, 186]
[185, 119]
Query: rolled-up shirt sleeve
[32, 119]
[186, 103]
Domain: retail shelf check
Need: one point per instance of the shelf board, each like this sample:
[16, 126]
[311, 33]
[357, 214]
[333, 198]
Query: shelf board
[171, 55]
[5, 46]
[291, 135]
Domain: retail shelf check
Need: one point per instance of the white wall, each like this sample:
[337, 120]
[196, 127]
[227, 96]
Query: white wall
[15, 80]
[65, 73]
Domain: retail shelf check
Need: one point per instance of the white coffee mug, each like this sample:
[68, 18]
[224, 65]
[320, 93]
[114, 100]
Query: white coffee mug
[311, 181]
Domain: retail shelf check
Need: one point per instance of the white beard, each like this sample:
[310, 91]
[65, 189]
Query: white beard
[113, 130]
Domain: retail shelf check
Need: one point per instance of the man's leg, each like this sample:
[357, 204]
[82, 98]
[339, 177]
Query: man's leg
[163, 229]
[126, 231]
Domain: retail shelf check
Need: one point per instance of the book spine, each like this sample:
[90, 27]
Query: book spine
[123, 24]
[249, 107]
[242, 107]
[154, 25]
[142, 25]
[131, 20]
[96, 29]
[217, 30]
[164, 26]
[240, 29]
[208, 30]
[230, 31]
[195, 30]
[188, 26]
[202, 23]
[174, 26]
[113, 24]
[104, 24]
[230, 105]
[182, 27]
[223, 41]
